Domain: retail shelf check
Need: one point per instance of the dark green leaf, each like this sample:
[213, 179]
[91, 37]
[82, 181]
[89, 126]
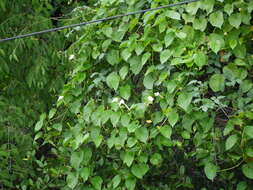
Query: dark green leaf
[116, 181]
[166, 131]
[139, 170]
[216, 19]
[231, 141]
[217, 82]
[184, 100]
[165, 55]
[210, 170]
[113, 57]
[235, 20]
[249, 131]
[113, 80]
[247, 170]
[142, 134]
[173, 14]
[97, 182]
[72, 180]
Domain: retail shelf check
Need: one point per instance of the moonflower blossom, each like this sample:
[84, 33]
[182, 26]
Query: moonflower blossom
[72, 56]
[115, 100]
[121, 102]
[60, 98]
[157, 94]
[150, 98]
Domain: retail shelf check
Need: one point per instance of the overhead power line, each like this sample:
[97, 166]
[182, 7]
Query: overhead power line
[96, 21]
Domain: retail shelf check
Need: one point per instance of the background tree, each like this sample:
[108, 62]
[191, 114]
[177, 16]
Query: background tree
[32, 71]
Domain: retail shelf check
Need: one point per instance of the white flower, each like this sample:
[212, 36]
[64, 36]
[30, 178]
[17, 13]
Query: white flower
[121, 102]
[115, 100]
[150, 98]
[157, 94]
[72, 56]
[60, 98]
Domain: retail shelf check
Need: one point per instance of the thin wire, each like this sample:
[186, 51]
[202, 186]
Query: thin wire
[98, 20]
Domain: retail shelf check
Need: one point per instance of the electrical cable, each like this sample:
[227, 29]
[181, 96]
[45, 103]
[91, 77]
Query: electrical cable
[96, 21]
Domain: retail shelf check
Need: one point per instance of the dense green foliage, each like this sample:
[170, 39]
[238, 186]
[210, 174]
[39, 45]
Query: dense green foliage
[32, 71]
[162, 100]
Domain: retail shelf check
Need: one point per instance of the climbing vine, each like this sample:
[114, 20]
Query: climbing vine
[156, 101]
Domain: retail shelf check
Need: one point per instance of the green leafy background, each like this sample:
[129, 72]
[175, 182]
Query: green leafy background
[155, 101]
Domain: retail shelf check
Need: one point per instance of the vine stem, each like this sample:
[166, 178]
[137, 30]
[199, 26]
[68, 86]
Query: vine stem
[233, 167]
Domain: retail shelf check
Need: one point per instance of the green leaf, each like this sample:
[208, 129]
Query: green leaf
[157, 47]
[118, 35]
[113, 57]
[173, 14]
[76, 159]
[156, 159]
[184, 100]
[116, 181]
[200, 59]
[217, 82]
[87, 154]
[168, 39]
[247, 170]
[228, 8]
[241, 186]
[145, 58]
[171, 86]
[240, 51]
[107, 31]
[250, 7]
[57, 126]
[51, 113]
[173, 117]
[139, 170]
[131, 141]
[192, 8]
[165, 55]
[38, 125]
[208, 5]
[98, 140]
[125, 92]
[166, 131]
[123, 72]
[249, 131]
[232, 43]
[85, 173]
[200, 24]
[125, 120]
[128, 158]
[112, 80]
[210, 170]
[126, 54]
[135, 65]
[249, 152]
[142, 134]
[132, 127]
[148, 81]
[231, 141]
[130, 183]
[216, 42]
[97, 182]
[216, 19]
[115, 117]
[235, 20]
[139, 48]
[72, 180]
[186, 135]
[181, 35]
[75, 107]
